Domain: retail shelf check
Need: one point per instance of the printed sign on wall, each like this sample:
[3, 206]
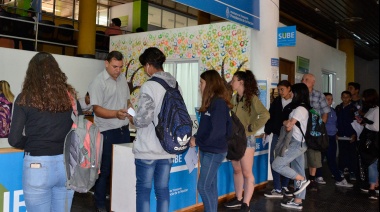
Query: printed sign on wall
[303, 65]
[239, 11]
[286, 36]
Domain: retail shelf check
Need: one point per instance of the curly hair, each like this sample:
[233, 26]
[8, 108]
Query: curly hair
[6, 90]
[214, 88]
[250, 87]
[45, 86]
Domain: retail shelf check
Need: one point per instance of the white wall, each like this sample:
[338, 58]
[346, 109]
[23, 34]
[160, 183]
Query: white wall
[79, 71]
[123, 10]
[322, 57]
[367, 73]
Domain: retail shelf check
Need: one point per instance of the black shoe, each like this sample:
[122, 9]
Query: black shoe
[101, 210]
[244, 207]
[233, 203]
[285, 191]
[313, 186]
[372, 194]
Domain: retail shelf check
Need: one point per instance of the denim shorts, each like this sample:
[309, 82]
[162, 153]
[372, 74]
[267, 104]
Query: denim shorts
[251, 141]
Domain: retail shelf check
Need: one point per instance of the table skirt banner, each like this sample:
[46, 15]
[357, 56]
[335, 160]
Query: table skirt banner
[11, 193]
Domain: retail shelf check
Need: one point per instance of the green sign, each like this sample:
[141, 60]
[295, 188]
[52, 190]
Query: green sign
[303, 65]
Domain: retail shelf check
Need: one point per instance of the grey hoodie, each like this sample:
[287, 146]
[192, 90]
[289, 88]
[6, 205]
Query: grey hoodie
[147, 145]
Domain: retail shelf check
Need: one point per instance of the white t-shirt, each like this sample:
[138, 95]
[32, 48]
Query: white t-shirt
[373, 115]
[301, 115]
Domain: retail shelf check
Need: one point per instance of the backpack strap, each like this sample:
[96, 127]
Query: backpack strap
[163, 83]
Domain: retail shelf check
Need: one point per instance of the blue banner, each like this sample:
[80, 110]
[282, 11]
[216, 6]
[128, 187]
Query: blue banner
[240, 11]
[11, 193]
[286, 36]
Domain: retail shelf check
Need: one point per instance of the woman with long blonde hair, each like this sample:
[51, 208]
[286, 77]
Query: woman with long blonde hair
[5, 89]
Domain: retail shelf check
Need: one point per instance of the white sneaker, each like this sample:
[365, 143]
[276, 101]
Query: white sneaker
[344, 183]
[320, 180]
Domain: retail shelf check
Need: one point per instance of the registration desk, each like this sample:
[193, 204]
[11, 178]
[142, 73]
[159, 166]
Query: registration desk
[182, 184]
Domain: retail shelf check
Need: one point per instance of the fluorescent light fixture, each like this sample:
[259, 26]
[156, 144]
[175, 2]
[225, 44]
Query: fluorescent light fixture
[356, 36]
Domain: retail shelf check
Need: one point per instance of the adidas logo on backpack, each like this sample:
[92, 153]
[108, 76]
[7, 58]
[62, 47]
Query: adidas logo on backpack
[82, 153]
[174, 126]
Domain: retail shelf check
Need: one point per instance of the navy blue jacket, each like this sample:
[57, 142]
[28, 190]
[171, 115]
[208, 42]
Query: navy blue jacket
[214, 128]
[278, 115]
[345, 117]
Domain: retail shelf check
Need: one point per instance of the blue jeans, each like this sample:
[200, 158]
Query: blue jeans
[208, 179]
[148, 171]
[110, 137]
[278, 180]
[295, 157]
[44, 185]
[373, 173]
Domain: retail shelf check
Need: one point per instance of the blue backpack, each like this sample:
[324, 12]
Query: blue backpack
[174, 126]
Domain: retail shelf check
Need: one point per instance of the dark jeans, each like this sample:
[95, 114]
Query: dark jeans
[331, 158]
[110, 137]
[348, 156]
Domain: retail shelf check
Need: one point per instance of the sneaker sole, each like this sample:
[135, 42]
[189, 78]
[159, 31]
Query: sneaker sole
[302, 188]
[322, 183]
[291, 206]
[374, 198]
[272, 196]
[232, 206]
[345, 186]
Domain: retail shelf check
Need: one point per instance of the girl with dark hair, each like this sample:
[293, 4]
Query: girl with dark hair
[214, 128]
[369, 139]
[279, 112]
[41, 120]
[297, 146]
[253, 115]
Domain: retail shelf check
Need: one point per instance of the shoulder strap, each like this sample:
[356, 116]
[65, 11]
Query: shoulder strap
[162, 82]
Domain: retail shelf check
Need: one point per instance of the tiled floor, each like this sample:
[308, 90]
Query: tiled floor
[328, 198]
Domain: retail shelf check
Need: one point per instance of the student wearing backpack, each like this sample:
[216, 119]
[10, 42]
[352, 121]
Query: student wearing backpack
[279, 111]
[297, 147]
[6, 102]
[314, 157]
[110, 97]
[41, 120]
[253, 115]
[214, 128]
[152, 162]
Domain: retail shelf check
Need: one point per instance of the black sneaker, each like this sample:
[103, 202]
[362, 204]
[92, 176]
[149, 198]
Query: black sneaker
[244, 207]
[372, 194]
[274, 194]
[292, 204]
[233, 203]
[313, 186]
[285, 191]
[301, 185]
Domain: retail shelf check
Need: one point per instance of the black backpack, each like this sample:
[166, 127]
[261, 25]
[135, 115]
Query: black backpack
[174, 125]
[237, 142]
[316, 136]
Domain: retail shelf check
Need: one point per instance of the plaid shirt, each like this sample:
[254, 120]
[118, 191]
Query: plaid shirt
[318, 102]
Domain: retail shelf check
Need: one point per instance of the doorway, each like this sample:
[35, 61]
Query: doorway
[287, 70]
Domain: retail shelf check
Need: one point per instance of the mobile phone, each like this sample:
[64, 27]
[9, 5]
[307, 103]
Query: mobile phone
[357, 113]
[35, 165]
